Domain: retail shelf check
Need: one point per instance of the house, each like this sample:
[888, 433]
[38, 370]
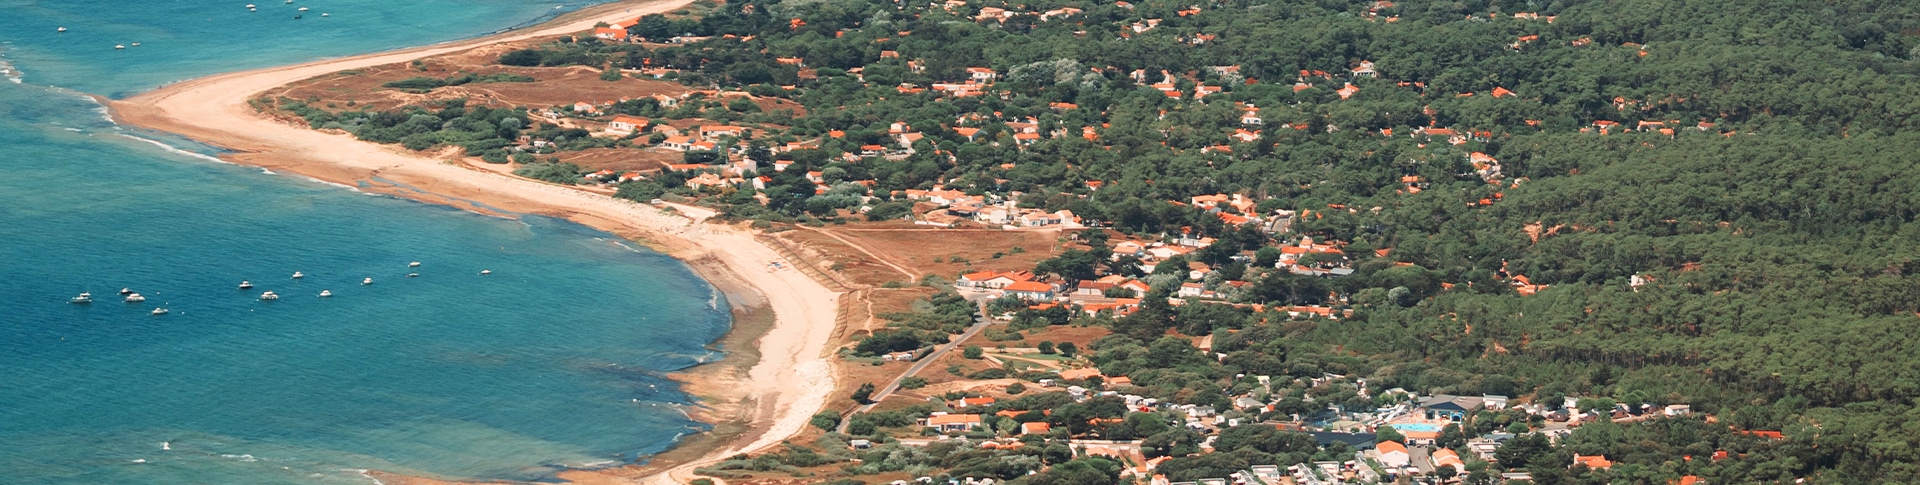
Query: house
[980, 74]
[953, 422]
[626, 125]
[1445, 457]
[677, 143]
[859, 444]
[1035, 428]
[1251, 117]
[1029, 290]
[1192, 290]
[1365, 70]
[1393, 454]
[1348, 91]
[715, 131]
[992, 279]
[1596, 462]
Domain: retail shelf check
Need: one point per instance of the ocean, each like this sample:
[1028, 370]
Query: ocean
[555, 359]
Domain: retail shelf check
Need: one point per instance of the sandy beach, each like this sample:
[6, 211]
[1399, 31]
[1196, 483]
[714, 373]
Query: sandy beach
[774, 398]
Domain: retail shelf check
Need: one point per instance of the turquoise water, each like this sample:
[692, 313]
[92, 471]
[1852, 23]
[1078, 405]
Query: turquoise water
[553, 360]
[1425, 427]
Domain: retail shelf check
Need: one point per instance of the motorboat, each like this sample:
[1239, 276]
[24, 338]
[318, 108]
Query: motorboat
[82, 299]
[414, 264]
[325, 293]
[324, 14]
[62, 29]
[119, 46]
[486, 271]
[367, 281]
[126, 291]
[251, 6]
[413, 275]
[298, 275]
[136, 44]
[135, 298]
[269, 296]
[158, 311]
[246, 285]
[303, 9]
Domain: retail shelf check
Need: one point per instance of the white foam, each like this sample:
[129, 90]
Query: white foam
[245, 458]
[343, 186]
[268, 172]
[175, 150]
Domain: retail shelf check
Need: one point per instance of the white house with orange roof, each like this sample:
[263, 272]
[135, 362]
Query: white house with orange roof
[981, 74]
[1393, 454]
[624, 125]
[953, 422]
[992, 279]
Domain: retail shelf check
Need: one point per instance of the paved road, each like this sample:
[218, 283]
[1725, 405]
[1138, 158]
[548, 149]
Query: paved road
[980, 322]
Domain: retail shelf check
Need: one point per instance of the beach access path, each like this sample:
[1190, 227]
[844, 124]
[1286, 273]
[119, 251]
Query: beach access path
[785, 387]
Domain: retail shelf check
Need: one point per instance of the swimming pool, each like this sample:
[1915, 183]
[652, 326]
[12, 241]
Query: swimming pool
[1423, 427]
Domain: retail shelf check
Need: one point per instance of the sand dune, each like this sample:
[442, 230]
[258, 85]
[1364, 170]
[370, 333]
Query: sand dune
[786, 386]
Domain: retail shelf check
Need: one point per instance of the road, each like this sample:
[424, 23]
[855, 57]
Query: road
[980, 322]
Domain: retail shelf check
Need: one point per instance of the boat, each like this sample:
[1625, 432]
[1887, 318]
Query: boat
[136, 44]
[413, 275]
[414, 264]
[251, 6]
[82, 299]
[269, 296]
[245, 285]
[126, 291]
[135, 298]
[367, 281]
[324, 14]
[119, 46]
[303, 9]
[297, 16]
[62, 29]
[298, 275]
[486, 271]
[158, 311]
[325, 293]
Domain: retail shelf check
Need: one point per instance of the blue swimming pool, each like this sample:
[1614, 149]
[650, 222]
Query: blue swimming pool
[1424, 427]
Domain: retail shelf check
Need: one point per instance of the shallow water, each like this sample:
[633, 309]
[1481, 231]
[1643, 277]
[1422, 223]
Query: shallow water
[553, 360]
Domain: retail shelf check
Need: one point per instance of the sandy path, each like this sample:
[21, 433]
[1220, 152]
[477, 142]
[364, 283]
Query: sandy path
[786, 386]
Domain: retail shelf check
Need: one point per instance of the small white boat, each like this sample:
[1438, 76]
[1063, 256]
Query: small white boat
[62, 29]
[303, 9]
[158, 311]
[486, 271]
[126, 291]
[136, 44]
[119, 46]
[251, 6]
[82, 299]
[414, 264]
[135, 298]
[245, 285]
[367, 281]
[324, 14]
[269, 296]
[166, 446]
[298, 275]
[326, 293]
[413, 275]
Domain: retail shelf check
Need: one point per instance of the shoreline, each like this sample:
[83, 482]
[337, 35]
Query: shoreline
[774, 375]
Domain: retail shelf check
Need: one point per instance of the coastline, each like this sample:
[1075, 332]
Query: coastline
[774, 375]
